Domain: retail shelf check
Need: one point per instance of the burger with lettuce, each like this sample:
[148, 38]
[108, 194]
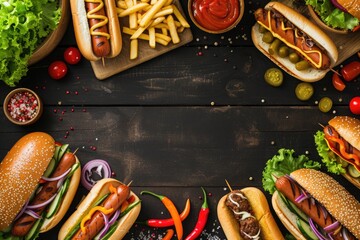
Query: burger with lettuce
[343, 15]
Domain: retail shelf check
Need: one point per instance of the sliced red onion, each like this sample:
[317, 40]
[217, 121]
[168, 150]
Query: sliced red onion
[301, 198]
[94, 167]
[114, 217]
[332, 227]
[22, 210]
[337, 5]
[324, 211]
[41, 204]
[104, 229]
[57, 178]
[309, 42]
[345, 233]
[32, 213]
[316, 231]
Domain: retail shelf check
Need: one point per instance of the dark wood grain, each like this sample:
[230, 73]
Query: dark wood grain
[190, 118]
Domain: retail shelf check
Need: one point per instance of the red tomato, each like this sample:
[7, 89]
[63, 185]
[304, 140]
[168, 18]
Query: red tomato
[57, 70]
[338, 82]
[355, 105]
[350, 71]
[72, 55]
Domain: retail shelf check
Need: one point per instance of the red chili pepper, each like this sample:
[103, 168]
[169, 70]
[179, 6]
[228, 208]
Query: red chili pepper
[173, 212]
[161, 223]
[202, 220]
[337, 82]
[350, 71]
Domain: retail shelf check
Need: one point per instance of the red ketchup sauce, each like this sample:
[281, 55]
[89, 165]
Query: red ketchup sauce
[215, 15]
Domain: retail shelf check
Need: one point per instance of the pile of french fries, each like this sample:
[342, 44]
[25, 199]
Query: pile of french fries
[156, 21]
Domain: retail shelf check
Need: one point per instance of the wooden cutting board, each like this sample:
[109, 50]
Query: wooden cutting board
[122, 62]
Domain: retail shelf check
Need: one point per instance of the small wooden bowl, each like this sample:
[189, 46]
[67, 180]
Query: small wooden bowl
[191, 14]
[319, 22]
[54, 38]
[22, 102]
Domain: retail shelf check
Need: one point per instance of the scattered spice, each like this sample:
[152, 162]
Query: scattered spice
[23, 106]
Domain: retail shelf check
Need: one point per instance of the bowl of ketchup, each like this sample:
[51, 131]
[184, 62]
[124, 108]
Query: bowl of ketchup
[216, 16]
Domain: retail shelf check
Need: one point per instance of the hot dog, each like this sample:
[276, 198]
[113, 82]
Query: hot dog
[104, 200]
[97, 28]
[338, 144]
[52, 177]
[303, 38]
[245, 214]
[312, 204]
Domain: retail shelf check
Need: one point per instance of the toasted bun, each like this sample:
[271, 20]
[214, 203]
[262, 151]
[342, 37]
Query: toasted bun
[311, 74]
[82, 30]
[348, 128]
[66, 202]
[20, 172]
[258, 202]
[335, 198]
[100, 189]
[352, 6]
[286, 216]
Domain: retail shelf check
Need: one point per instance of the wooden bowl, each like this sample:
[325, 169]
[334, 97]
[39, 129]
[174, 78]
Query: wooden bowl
[54, 38]
[234, 24]
[22, 106]
[319, 22]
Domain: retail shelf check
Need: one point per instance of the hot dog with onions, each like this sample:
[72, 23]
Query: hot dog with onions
[312, 205]
[315, 51]
[46, 175]
[97, 28]
[108, 211]
[244, 214]
[338, 144]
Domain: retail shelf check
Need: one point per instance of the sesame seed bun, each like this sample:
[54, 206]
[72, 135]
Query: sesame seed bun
[20, 172]
[352, 6]
[348, 128]
[335, 198]
[100, 189]
[260, 206]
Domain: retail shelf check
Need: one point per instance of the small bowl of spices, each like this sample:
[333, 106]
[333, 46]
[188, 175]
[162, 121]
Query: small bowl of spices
[22, 106]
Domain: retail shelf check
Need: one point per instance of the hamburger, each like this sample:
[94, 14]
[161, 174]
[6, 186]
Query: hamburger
[338, 144]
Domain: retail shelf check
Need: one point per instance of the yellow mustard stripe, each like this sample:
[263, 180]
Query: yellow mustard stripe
[91, 15]
[91, 212]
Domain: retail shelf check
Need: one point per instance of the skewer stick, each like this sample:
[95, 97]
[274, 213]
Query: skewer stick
[75, 151]
[129, 183]
[321, 125]
[228, 184]
[335, 72]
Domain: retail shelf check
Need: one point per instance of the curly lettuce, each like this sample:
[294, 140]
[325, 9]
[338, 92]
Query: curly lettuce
[284, 163]
[333, 16]
[329, 158]
[23, 26]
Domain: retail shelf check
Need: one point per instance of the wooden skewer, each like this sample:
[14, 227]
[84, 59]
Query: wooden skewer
[129, 183]
[321, 125]
[75, 151]
[228, 184]
[335, 72]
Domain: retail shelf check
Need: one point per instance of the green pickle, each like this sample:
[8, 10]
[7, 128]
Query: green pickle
[325, 104]
[274, 46]
[304, 91]
[302, 65]
[268, 37]
[262, 29]
[274, 77]
[283, 51]
[294, 57]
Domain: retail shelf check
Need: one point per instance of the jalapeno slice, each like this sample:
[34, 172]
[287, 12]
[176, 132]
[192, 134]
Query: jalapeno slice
[325, 104]
[274, 77]
[304, 91]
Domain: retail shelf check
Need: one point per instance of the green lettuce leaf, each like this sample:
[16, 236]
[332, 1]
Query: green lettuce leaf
[333, 16]
[284, 163]
[328, 157]
[23, 26]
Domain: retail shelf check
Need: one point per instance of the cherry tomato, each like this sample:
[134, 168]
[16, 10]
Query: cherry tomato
[57, 70]
[337, 82]
[355, 105]
[72, 55]
[350, 71]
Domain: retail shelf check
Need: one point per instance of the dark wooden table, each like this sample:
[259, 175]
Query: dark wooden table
[189, 118]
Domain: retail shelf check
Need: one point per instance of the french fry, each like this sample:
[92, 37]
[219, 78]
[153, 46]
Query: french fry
[134, 49]
[146, 37]
[152, 42]
[133, 9]
[132, 16]
[121, 4]
[180, 17]
[152, 11]
[172, 29]
[163, 12]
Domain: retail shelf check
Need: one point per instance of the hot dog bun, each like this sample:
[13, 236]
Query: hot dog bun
[260, 206]
[20, 172]
[97, 191]
[82, 30]
[329, 193]
[311, 74]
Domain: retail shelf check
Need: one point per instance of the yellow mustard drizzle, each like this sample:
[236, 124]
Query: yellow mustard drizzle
[318, 65]
[89, 215]
[91, 15]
